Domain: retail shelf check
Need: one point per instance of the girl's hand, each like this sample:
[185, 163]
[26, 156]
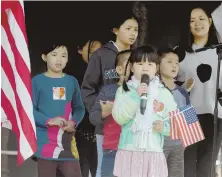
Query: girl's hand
[70, 127]
[57, 121]
[158, 126]
[190, 84]
[143, 88]
[106, 108]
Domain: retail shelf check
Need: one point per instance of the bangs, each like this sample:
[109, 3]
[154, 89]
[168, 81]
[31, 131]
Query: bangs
[145, 54]
[53, 47]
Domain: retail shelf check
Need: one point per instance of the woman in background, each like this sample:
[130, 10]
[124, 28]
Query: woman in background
[202, 68]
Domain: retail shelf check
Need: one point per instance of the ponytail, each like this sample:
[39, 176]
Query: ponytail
[125, 87]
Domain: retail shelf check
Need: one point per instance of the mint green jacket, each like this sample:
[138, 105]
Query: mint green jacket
[124, 111]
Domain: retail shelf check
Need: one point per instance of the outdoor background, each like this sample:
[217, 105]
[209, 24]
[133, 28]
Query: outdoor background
[73, 22]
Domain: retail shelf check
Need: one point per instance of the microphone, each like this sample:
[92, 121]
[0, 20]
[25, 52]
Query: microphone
[219, 45]
[144, 79]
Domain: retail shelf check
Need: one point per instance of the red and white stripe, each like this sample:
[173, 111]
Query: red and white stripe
[16, 91]
[174, 128]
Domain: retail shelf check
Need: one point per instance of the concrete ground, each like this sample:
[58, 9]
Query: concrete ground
[28, 169]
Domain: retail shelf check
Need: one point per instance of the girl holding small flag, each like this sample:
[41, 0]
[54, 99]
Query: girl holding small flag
[140, 149]
[173, 149]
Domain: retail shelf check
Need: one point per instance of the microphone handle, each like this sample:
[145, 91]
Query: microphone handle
[143, 102]
[142, 110]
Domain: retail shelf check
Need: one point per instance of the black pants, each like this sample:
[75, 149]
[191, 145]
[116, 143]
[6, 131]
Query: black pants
[198, 157]
[87, 153]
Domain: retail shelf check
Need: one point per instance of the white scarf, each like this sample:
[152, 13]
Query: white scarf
[142, 125]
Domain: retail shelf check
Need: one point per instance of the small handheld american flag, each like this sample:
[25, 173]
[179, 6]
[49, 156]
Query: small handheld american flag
[185, 126]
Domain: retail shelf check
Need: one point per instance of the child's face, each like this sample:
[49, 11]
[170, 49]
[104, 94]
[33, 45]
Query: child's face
[144, 67]
[120, 69]
[85, 50]
[127, 33]
[57, 59]
[169, 66]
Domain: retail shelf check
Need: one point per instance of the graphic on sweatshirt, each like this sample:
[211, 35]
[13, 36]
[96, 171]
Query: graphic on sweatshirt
[59, 93]
[158, 106]
[204, 72]
[110, 74]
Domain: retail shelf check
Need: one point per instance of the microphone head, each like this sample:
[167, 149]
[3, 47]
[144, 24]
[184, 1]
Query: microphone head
[145, 79]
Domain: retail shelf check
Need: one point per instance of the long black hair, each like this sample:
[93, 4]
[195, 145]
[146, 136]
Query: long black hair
[120, 20]
[141, 53]
[212, 37]
[84, 42]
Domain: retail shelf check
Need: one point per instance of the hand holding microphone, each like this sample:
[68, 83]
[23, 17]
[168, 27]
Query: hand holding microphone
[142, 89]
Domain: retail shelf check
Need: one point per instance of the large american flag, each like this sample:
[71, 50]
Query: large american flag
[16, 100]
[185, 126]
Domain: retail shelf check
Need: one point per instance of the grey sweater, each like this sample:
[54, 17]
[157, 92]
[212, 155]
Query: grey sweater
[107, 93]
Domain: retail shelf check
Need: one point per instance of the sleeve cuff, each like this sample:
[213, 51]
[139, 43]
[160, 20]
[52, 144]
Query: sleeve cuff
[47, 121]
[75, 123]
